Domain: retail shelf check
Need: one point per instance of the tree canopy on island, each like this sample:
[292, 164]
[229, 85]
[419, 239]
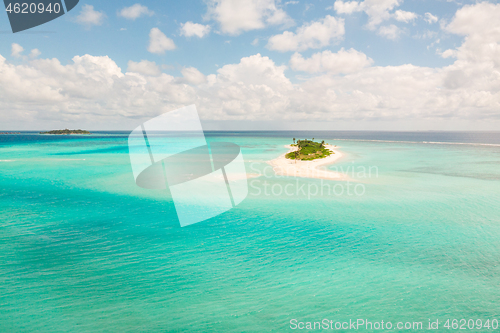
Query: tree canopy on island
[66, 132]
[308, 150]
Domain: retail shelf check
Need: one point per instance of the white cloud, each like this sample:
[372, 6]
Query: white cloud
[135, 11]
[347, 7]
[481, 49]
[193, 76]
[449, 54]
[377, 10]
[280, 17]
[429, 18]
[335, 63]
[93, 90]
[236, 16]
[144, 67]
[480, 19]
[35, 53]
[89, 17]
[190, 29]
[254, 89]
[255, 70]
[255, 42]
[390, 32]
[403, 16]
[159, 43]
[16, 50]
[314, 35]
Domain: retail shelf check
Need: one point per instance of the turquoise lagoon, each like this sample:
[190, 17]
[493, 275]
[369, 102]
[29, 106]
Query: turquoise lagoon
[83, 249]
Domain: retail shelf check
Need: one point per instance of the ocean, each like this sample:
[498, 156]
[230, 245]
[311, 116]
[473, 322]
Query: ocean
[414, 238]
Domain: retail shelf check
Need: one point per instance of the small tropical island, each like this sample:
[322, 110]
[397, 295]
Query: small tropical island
[308, 159]
[66, 132]
[308, 150]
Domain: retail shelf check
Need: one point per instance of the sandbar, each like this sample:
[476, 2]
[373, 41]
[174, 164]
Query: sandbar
[283, 166]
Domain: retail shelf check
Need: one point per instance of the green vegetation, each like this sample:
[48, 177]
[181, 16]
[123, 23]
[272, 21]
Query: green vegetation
[308, 150]
[66, 132]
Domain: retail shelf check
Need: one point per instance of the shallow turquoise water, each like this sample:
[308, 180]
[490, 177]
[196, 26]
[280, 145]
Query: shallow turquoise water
[83, 249]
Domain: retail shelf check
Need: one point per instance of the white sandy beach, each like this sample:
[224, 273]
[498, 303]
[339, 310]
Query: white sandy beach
[308, 169]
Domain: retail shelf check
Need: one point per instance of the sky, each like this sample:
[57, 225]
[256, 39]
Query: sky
[257, 65]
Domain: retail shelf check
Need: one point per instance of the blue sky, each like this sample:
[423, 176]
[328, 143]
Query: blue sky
[67, 38]
[379, 36]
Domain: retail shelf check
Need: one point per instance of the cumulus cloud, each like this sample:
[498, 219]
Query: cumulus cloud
[159, 43]
[192, 75]
[255, 70]
[144, 67]
[377, 10]
[313, 35]
[135, 11]
[481, 49]
[235, 16]
[190, 29]
[254, 89]
[474, 20]
[35, 53]
[429, 18]
[449, 54]
[390, 32]
[89, 17]
[335, 63]
[347, 7]
[16, 50]
[94, 90]
[403, 16]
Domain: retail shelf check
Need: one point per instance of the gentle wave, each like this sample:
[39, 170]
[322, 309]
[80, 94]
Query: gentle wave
[425, 142]
[52, 159]
[69, 159]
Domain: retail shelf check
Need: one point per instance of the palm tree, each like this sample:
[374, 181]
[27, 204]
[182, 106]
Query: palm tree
[293, 140]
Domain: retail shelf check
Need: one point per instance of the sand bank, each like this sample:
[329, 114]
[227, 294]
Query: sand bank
[308, 169]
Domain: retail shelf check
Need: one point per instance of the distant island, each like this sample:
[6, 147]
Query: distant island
[308, 150]
[9, 133]
[66, 132]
